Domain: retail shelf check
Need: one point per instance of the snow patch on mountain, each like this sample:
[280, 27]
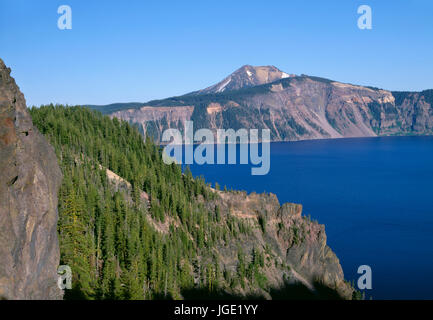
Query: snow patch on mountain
[223, 85]
[285, 75]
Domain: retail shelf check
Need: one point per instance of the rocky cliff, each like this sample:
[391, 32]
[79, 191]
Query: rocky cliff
[295, 247]
[292, 107]
[30, 177]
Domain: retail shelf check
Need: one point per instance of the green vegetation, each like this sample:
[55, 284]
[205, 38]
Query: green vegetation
[110, 108]
[151, 236]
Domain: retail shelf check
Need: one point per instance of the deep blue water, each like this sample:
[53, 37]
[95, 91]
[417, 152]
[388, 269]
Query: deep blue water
[374, 195]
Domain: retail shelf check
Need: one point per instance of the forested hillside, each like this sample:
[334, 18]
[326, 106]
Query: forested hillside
[132, 227]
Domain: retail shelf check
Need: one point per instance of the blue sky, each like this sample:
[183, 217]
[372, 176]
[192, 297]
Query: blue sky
[124, 51]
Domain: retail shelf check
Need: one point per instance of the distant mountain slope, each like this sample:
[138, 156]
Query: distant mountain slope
[109, 108]
[292, 107]
[246, 76]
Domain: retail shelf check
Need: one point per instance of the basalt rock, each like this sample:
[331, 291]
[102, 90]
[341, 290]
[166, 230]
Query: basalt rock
[30, 178]
[297, 250]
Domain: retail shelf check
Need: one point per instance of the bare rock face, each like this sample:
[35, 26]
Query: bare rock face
[292, 107]
[154, 121]
[296, 244]
[30, 178]
[246, 76]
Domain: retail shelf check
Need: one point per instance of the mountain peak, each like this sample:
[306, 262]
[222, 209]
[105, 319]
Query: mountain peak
[247, 76]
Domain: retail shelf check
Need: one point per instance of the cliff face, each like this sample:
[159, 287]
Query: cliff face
[153, 121]
[293, 108]
[295, 247]
[30, 177]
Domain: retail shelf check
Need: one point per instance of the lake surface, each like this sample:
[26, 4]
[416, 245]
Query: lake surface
[374, 195]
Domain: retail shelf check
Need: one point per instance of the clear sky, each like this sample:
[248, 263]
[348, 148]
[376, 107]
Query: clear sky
[125, 51]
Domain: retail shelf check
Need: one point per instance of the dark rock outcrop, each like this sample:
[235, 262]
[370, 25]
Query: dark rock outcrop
[30, 178]
[296, 247]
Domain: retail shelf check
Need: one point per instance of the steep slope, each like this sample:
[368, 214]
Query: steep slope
[30, 177]
[146, 230]
[293, 108]
[295, 247]
[245, 77]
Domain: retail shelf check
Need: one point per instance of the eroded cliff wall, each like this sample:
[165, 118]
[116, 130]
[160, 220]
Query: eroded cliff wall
[296, 247]
[295, 108]
[29, 180]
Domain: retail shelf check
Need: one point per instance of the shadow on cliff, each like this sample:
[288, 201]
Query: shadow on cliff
[287, 292]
